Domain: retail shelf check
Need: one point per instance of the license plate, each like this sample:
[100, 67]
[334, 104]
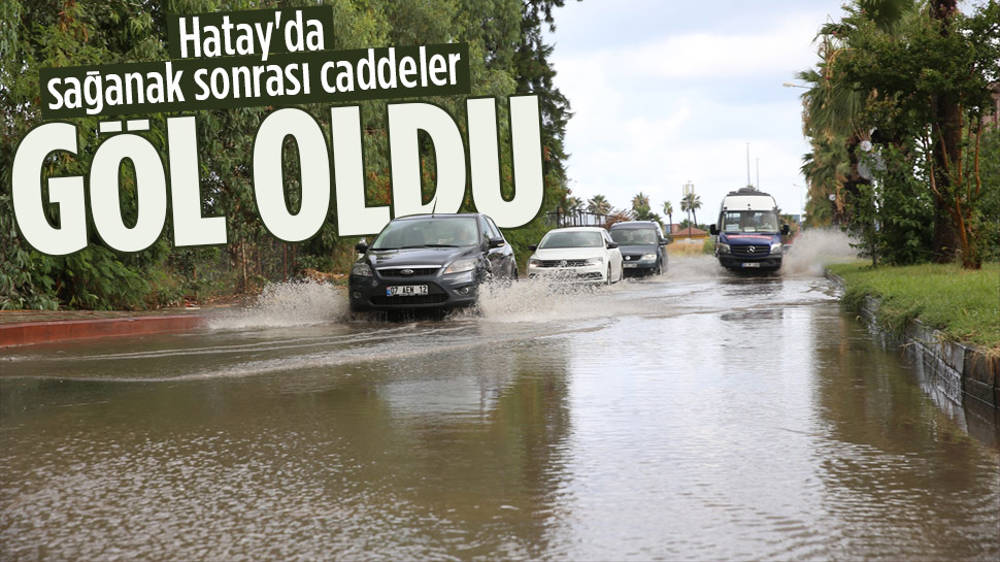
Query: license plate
[751, 264]
[405, 290]
[631, 264]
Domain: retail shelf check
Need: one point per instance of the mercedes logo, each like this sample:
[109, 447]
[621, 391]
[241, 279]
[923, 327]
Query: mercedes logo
[750, 249]
[628, 258]
[562, 263]
[406, 272]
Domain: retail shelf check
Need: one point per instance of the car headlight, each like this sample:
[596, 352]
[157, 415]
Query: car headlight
[361, 269]
[593, 261]
[648, 257]
[723, 248]
[776, 248]
[461, 266]
[535, 262]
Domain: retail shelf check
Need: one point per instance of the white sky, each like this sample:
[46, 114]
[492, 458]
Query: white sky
[665, 92]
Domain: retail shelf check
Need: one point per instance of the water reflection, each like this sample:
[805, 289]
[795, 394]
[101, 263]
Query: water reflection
[702, 417]
[888, 447]
[438, 458]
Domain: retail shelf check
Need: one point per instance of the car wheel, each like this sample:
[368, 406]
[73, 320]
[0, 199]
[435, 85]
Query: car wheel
[659, 269]
[607, 278]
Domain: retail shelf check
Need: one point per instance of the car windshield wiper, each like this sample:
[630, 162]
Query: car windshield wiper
[431, 246]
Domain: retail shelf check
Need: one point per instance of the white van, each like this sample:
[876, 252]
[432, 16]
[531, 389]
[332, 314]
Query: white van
[748, 232]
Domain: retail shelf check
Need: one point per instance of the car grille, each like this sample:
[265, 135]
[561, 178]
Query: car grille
[403, 302]
[632, 257]
[563, 263]
[751, 250]
[396, 273]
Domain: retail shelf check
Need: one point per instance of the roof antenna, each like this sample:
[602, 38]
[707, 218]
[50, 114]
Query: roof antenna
[748, 166]
[758, 173]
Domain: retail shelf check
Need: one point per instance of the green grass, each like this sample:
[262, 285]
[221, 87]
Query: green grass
[964, 304]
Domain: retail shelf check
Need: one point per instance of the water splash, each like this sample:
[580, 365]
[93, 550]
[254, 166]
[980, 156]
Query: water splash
[693, 268]
[816, 248]
[296, 303]
[541, 300]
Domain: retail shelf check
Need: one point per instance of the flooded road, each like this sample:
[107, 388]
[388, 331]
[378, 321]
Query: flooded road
[698, 415]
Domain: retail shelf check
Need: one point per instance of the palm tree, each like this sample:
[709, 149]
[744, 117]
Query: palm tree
[691, 203]
[574, 204]
[834, 109]
[640, 206]
[668, 209]
[599, 205]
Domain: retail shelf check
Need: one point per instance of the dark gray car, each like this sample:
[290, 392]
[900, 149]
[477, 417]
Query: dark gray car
[429, 261]
[642, 245]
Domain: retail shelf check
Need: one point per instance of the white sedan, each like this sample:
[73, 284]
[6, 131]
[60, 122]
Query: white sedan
[585, 253]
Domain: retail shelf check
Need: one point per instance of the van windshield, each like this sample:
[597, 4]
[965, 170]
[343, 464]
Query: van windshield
[750, 221]
[634, 236]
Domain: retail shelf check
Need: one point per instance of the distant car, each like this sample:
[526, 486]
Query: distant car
[429, 261]
[585, 253]
[642, 245]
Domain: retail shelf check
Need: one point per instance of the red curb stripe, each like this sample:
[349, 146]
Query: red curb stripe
[28, 333]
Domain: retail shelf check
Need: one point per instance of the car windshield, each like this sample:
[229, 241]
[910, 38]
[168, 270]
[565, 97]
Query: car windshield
[428, 232]
[750, 221]
[634, 236]
[573, 239]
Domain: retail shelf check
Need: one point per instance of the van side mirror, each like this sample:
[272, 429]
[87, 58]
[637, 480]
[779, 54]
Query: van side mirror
[612, 245]
[361, 247]
[785, 230]
[713, 230]
[496, 242]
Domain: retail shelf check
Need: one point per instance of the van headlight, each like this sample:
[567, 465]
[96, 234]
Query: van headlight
[461, 266]
[648, 257]
[361, 269]
[724, 248]
[776, 248]
[593, 261]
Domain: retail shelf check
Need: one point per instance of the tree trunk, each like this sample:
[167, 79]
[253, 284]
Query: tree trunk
[947, 146]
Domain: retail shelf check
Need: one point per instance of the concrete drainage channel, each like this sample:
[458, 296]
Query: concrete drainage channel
[955, 369]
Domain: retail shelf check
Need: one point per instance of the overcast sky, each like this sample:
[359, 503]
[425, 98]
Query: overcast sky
[666, 92]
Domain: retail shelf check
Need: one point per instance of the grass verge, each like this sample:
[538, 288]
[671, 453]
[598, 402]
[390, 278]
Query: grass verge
[963, 304]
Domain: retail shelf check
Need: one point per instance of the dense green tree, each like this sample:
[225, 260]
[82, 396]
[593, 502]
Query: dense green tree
[508, 55]
[897, 98]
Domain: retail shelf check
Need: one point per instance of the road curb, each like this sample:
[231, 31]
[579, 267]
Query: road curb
[29, 333]
[960, 369]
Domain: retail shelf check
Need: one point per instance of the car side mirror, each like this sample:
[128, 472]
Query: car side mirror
[533, 247]
[497, 242]
[663, 241]
[785, 230]
[713, 230]
[361, 247]
[612, 245]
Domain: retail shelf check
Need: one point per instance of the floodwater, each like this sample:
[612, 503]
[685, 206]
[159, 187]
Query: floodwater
[699, 415]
